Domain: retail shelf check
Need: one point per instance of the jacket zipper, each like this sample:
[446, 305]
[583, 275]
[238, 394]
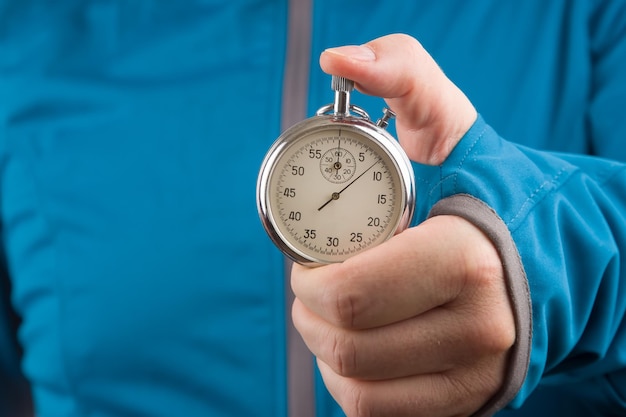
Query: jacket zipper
[300, 375]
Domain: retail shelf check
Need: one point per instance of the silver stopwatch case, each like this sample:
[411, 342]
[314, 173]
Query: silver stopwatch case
[335, 184]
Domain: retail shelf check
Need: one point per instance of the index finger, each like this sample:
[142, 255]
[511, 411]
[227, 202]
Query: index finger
[419, 269]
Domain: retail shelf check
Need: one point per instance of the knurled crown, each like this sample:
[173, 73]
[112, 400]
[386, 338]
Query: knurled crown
[341, 84]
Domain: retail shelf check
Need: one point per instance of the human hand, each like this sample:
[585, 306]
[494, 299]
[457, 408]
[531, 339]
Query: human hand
[432, 114]
[417, 326]
[420, 325]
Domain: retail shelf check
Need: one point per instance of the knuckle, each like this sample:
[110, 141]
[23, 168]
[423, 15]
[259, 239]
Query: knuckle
[503, 336]
[343, 301]
[482, 271]
[470, 389]
[343, 354]
[345, 310]
[486, 378]
[495, 331]
[462, 390]
[356, 403]
[480, 340]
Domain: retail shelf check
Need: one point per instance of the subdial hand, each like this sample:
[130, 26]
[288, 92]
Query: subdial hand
[335, 195]
[337, 165]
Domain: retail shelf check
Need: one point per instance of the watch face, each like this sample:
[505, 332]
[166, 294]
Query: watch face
[333, 191]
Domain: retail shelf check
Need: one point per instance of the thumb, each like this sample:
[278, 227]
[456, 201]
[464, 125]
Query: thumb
[432, 114]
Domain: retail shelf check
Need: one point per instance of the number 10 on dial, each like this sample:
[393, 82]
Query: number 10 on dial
[335, 184]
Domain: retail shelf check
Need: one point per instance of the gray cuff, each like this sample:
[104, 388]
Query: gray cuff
[486, 219]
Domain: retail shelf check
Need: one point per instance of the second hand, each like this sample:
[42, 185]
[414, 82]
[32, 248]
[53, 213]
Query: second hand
[335, 196]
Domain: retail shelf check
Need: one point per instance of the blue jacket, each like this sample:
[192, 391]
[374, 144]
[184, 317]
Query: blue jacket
[136, 277]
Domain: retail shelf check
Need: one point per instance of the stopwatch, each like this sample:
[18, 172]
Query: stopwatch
[335, 184]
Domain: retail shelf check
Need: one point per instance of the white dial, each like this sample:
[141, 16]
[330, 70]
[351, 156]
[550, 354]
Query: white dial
[335, 185]
[331, 218]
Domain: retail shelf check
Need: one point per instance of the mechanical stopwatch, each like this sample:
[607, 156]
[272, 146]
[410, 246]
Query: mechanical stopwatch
[335, 184]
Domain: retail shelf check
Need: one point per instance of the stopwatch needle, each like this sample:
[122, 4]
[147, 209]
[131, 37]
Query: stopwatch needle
[337, 165]
[335, 195]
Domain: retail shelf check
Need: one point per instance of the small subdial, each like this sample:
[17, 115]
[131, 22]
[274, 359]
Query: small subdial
[337, 165]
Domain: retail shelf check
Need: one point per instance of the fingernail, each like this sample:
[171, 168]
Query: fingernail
[355, 52]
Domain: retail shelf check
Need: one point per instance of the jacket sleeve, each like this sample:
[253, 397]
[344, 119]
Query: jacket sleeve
[559, 222]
